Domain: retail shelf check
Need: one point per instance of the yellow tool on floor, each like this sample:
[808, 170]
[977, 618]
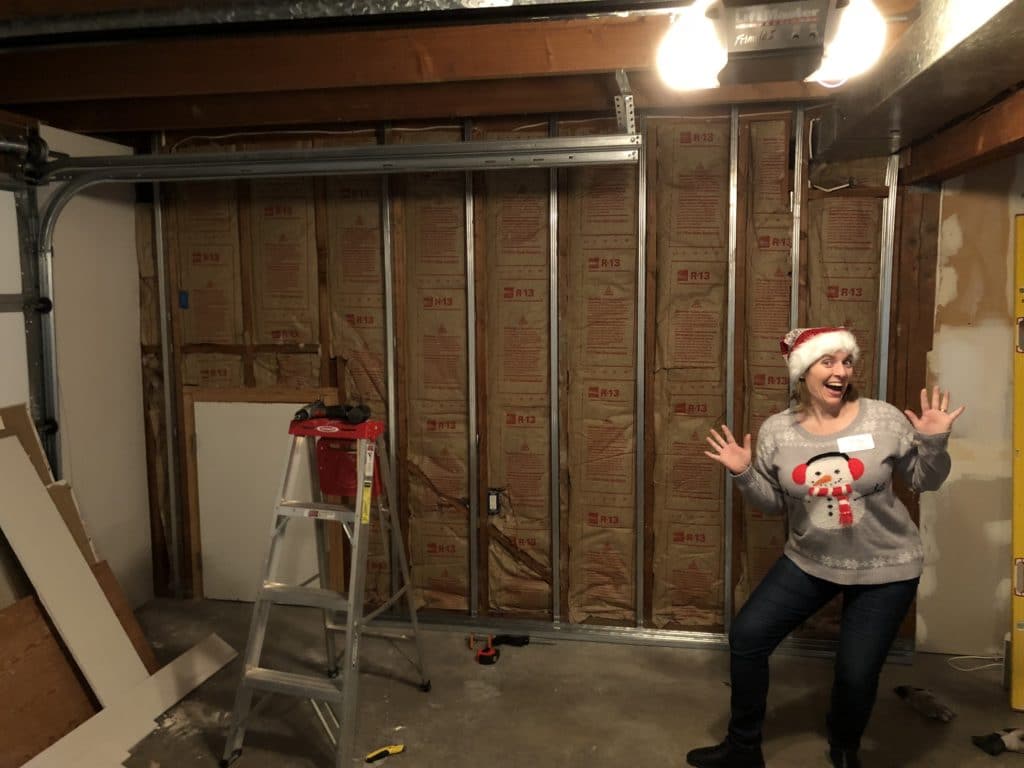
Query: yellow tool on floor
[380, 754]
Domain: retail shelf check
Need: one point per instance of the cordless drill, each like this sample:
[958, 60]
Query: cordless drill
[353, 414]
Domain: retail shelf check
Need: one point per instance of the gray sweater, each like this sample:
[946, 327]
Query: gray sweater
[845, 523]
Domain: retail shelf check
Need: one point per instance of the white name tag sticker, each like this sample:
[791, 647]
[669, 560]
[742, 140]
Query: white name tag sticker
[854, 443]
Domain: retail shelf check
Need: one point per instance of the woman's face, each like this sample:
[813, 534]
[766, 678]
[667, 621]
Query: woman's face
[828, 378]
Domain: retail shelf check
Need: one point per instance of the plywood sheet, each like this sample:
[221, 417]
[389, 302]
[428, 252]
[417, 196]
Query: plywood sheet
[241, 449]
[43, 696]
[103, 740]
[71, 596]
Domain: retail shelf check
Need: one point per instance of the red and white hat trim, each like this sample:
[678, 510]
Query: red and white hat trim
[802, 347]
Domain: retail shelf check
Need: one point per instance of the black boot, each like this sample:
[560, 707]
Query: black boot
[726, 755]
[843, 758]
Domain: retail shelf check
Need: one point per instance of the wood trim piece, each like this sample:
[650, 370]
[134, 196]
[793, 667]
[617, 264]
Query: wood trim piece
[72, 597]
[989, 136]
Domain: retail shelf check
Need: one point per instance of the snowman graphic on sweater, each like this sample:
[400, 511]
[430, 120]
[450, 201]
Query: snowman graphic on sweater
[828, 480]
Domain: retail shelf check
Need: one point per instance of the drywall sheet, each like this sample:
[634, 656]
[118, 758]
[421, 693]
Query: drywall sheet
[691, 292]
[767, 255]
[10, 245]
[13, 353]
[844, 236]
[204, 223]
[963, 604]
[62, 579]
[430, 243]
[285, 300]
[241, 451]
[355, 259]
[96, 293]
[599, 333]
[512, 227]
[211, 369]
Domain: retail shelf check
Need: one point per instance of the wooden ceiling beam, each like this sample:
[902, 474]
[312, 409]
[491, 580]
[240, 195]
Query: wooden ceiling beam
[324, 60]
[991, 135]
[538, 96]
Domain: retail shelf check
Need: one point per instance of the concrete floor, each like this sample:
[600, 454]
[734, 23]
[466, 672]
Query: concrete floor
[563, 704]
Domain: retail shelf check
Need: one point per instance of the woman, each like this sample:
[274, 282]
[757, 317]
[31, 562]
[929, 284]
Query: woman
[827, 462]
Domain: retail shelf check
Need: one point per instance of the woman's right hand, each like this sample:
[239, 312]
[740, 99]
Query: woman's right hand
[726, 451]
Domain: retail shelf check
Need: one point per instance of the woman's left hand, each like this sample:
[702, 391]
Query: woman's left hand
[935, 418]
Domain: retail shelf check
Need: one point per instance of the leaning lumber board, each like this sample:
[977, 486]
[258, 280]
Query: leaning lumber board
[101, 741]
[66, 587]
[43, 697]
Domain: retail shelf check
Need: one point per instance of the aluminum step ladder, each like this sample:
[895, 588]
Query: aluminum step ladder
[334, 468]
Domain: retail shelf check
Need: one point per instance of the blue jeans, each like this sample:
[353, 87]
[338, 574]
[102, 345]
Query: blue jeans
[786, 597]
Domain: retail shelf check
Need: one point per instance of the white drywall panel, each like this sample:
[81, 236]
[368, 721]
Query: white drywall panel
[62, 579]
[13, 359]
[96, 310]
[10, 258]
[241, 451]
[13, 363]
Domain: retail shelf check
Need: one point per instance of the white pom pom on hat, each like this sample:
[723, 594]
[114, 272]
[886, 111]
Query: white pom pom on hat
[802, 347]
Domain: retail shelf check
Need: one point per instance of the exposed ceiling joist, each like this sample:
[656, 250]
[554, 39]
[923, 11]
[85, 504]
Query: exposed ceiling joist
[996, 133]
[479, 98]
[274, 63]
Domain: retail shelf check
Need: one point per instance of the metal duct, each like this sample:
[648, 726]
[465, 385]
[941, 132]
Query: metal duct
[956, 58]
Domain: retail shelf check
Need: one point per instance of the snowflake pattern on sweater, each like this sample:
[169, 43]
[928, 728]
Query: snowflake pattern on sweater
[846, 524]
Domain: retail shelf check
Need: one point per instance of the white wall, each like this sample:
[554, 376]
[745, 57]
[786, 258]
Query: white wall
[964, 599]
[13, 356]
[96, 309]
[14, 367]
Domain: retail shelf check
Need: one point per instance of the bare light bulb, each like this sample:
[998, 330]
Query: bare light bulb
[857, 44]
[690, 55]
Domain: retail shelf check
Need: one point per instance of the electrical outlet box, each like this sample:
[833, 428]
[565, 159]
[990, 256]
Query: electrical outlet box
[493, 501]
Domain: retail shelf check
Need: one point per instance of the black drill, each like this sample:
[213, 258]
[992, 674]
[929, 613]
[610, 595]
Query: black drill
[352, 414]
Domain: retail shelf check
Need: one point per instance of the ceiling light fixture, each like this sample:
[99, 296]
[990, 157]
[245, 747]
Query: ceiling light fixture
[690, 55]
[856, 46]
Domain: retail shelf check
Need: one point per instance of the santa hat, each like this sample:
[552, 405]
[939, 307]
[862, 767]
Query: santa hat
[802, 347]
